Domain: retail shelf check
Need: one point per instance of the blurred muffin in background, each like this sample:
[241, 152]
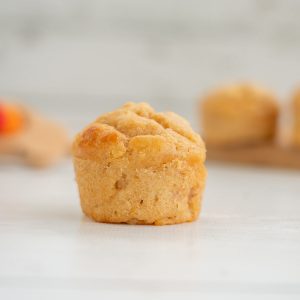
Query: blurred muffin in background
[240, 114]
[296, 118]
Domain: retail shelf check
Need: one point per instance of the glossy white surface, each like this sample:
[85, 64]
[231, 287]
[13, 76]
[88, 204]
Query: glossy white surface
[247, 241]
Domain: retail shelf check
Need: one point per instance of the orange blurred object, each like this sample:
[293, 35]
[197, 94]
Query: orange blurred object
[11, 119]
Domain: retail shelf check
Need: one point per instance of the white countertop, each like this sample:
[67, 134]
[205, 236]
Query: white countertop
[246, 242]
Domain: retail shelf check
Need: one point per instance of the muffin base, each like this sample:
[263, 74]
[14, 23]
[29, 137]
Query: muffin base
[160, 195]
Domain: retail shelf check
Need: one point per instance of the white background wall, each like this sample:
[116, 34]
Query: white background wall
[78, 57]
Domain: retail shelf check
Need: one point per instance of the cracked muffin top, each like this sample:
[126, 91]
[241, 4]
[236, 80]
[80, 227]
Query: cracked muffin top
[136, 129]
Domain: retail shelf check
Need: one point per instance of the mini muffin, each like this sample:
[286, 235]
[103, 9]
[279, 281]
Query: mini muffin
[296, 119]
[136, 166]
[241, 114]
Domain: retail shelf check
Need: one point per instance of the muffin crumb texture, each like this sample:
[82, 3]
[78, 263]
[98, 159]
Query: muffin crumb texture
[136, 166]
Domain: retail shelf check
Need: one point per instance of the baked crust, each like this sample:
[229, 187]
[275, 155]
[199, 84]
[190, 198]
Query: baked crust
[240, 114]
[136, 166]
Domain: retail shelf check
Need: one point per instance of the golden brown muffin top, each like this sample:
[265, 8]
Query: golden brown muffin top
[138, 129]
[236, 99]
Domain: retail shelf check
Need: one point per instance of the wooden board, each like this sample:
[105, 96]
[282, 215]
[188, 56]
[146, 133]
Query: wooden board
[271, 155]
